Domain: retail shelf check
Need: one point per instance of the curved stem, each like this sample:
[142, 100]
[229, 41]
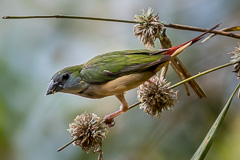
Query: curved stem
[170, 25]
[209, 138]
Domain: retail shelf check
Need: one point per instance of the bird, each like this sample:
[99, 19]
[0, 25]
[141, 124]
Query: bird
[114, 73]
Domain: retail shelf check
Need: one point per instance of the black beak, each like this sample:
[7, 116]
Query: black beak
[52, 87]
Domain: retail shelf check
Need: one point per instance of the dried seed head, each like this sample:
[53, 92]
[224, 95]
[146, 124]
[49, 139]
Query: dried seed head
[148, 28]
[236, 57]
[89, 130]
[155, 96]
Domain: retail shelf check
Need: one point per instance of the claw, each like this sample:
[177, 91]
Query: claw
[109, 121]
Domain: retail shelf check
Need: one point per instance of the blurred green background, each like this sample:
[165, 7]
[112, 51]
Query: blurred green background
[33, 126]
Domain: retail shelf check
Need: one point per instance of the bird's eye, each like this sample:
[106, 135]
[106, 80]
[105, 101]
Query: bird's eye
[65, 76]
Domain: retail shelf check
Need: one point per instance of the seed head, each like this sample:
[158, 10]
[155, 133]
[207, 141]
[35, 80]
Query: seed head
[236, 57]
[155, 96]
[148, 28]
[89, 130]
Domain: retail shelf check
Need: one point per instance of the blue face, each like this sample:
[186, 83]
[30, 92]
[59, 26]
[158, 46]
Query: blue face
[67, 81]
[57, 82]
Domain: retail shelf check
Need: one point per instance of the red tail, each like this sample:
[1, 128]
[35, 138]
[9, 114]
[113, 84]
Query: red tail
[173, 49]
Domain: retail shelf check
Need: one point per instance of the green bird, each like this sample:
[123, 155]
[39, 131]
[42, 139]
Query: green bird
[114, 73]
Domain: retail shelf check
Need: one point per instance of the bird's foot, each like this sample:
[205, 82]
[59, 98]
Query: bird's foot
[109, 122]
[109, 119]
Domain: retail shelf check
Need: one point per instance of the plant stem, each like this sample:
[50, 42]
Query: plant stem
[134, 105]
[170, 25]
[191, 28]
[64, 146]
[203, 73]
[70, 17]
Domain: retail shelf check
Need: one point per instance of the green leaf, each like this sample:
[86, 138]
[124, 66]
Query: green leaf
[208, 140]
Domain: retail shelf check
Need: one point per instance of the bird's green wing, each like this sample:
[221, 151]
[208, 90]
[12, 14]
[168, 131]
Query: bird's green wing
[112, 65]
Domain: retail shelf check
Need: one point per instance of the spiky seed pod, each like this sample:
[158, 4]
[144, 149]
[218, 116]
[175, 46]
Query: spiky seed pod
[89, 130]
[236, 57]
[148, 28]
[155, 96]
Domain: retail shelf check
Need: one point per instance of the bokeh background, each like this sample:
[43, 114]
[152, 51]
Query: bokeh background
[33, 126]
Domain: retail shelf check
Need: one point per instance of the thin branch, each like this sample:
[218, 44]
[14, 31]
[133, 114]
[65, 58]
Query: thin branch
[191, 28]
[134, 105]
[227, 29]
[69, 17]
[203, 73]
[64, 146]
[170, 25]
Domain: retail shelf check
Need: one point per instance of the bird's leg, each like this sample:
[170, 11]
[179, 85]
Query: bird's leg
[123, 108]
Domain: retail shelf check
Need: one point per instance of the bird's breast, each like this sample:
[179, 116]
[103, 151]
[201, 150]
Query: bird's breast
[117, 86]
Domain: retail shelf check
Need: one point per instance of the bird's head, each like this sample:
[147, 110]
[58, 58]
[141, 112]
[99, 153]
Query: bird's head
[67, 80]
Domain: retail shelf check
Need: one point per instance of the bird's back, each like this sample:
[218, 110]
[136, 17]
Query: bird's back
[110, 66]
